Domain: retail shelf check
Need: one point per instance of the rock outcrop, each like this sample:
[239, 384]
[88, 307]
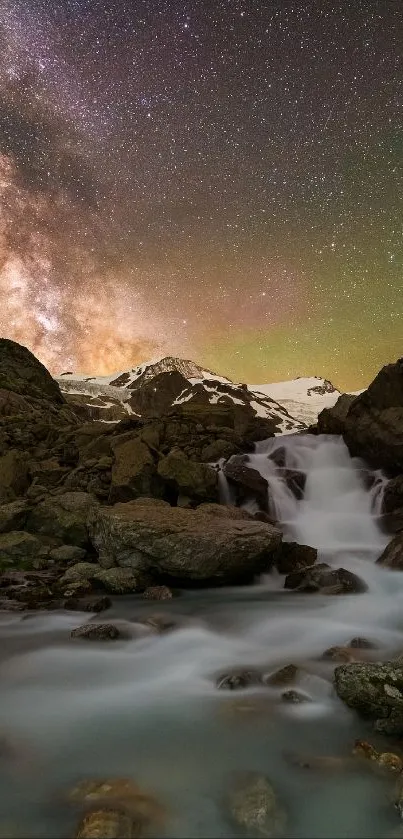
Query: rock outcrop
[372, 423]
[185, 546]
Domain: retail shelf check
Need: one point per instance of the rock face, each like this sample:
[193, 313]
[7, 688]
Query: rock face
[392, 556]
[187, 546]
[254, 806]
[372, 424]
[375, 691]
[22, 373]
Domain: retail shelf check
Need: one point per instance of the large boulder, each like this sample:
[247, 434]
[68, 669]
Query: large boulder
[13, 516]
[183, 476]
[186, 546]
[393, 495]
[63, 517]
[134, 473]
[392, 556]
[372, 425]
[295, 557]
[22, 373]
[375, 690]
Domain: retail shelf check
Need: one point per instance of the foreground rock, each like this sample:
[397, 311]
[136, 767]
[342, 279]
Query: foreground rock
[322, 578]
[375, 691]
[392, 556]
[202, 546]
[254, 806]
[97, 632]
[372, 423]
[108, 824]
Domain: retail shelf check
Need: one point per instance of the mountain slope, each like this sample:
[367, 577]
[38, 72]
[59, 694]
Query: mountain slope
[303, 398]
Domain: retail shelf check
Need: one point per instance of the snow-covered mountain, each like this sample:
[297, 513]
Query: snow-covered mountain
[157, 386]
[303, 398]
[154, 388]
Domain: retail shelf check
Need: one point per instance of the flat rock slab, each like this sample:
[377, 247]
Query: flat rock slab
[194, 546]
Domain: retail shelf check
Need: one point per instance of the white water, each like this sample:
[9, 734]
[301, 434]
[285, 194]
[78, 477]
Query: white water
[149, 708]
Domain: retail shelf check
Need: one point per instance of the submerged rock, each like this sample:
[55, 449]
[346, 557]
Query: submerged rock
[121, 794]
[238, 679]
[294, 697]
[108, 824]
[158, 593]
[254, 806]
[375, 691]
[285, 676]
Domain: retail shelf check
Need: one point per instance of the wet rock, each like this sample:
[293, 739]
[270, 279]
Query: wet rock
[393, 495]
[87, 604]
[246, 481]
[339, 654]
[285, 676]
[13, 515]
[295, 480]
[63, 517]
[108, 824]
[19, 549]
[123, 794]
[262, 516]
[374, 690]
[238, 679]
[97, 632]
[294, 557]
[160, 623]
[254, 806]
[322, 578]
[66, 554]
[186, 546]
[157, 593]
[361, 644]
[294, 697]
[392, 522]
[392, 556]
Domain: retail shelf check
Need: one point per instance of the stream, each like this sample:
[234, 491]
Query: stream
[149, 708]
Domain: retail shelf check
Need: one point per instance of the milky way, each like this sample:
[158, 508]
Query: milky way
[220, 180]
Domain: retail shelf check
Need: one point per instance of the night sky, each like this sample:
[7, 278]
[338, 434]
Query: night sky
[216, 179]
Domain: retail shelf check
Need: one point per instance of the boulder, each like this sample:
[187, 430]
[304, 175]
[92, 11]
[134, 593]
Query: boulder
[63, 517]
[375, 690]
[134, 472]
[183, 476]
[119, 580]
[79, 572]
[157, 593]
[239, 679]
[187, 546]
[14, 476]
[287, 675]
[19, 549]
[254, 806]
[392, 556]
[322, 578]
[294, 557]
[13, 516]
[247, 482]
[67, 554]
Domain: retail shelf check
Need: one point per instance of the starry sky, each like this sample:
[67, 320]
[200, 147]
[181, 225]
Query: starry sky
[216, 179]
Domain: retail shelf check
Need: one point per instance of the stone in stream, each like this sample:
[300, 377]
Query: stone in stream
[158, 593]
[238, 680]
[97, 632]
[285, 676]
[339, 654]
[295, 557]
[254, 806]
[384, 761]
[294, 697]
[160, 623]
[108, 824]
[361, 644]
[392, 556]
[123, 795]
[326, 580]
[374, 690]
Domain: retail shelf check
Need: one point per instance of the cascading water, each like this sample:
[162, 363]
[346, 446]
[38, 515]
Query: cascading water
[149, 708]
